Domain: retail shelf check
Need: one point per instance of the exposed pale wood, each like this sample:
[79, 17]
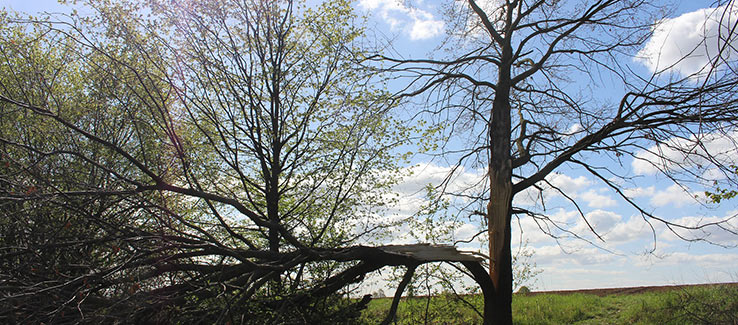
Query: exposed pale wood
[433, 253]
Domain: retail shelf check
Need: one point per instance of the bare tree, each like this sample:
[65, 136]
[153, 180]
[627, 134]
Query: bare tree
[522, 73]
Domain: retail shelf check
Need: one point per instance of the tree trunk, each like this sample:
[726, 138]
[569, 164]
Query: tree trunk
[500, 300]
[500, 202]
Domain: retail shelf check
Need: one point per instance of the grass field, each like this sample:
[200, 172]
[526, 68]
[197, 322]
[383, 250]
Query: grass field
[713, 304]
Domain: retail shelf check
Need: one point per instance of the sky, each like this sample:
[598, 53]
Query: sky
[32, 6]
[623, 259]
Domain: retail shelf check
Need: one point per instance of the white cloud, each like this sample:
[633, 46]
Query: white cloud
[407, 205]
[417, 23]
[573, 130]
[528, 197]
[564, 216]
[674, 196]
[374, 4]
[639, 191]
[677, 268]
[716, 260]
[602, 221]
[568, 278]
[421, 175]
[568, 184]
[636, 228]
[716, 229]
[689, 44]
[535, 230]
[584, 255]
[714, 174]
[409, 196]
[424, 28]
[466, 231]
[473, 27]
[597, 200]
[687, 153]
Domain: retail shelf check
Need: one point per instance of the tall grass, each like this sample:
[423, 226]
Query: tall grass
[692, 305]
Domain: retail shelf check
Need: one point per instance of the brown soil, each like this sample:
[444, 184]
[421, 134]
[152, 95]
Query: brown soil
[630, 290]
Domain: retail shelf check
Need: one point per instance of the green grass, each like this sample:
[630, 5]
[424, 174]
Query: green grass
[693, 305]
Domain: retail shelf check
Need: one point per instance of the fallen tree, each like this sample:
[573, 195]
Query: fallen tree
[193, 161]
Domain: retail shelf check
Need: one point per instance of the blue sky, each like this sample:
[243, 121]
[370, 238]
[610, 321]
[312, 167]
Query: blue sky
[32, 6]
[570, 263]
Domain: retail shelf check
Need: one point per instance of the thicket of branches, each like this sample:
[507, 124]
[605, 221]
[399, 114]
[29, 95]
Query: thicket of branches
[192, 161]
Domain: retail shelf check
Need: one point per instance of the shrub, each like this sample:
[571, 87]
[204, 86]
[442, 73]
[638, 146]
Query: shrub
[524, 291]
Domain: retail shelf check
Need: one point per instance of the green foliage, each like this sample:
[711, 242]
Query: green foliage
[721, 194]
[523, 291]
[525, 271]
[54, 243]
[441, 309]
[327, 310]
[126, 136]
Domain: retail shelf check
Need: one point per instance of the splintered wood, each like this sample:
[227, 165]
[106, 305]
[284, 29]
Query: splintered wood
[433, 253]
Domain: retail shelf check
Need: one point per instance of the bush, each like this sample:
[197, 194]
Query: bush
[523, 291]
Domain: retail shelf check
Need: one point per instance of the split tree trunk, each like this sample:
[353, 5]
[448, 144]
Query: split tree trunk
[499, 206]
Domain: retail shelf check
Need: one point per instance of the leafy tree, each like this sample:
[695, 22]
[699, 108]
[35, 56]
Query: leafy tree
[512, 88]
[193, 161]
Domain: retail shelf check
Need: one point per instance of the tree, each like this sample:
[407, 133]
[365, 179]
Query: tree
[210, 162]
[512, 93]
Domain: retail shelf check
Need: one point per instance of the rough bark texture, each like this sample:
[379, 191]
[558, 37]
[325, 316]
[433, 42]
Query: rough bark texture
[501, 299]
[499, 205]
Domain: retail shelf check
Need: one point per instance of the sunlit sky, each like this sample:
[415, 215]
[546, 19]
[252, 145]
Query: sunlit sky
[569, 263]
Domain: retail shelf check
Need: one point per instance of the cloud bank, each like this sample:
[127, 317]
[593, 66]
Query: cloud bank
[418, 24]
[689, 44]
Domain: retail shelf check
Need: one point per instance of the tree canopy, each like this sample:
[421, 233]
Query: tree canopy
[198, 161]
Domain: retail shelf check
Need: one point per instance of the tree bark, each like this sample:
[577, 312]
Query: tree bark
[500, 300]
[500, 182]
